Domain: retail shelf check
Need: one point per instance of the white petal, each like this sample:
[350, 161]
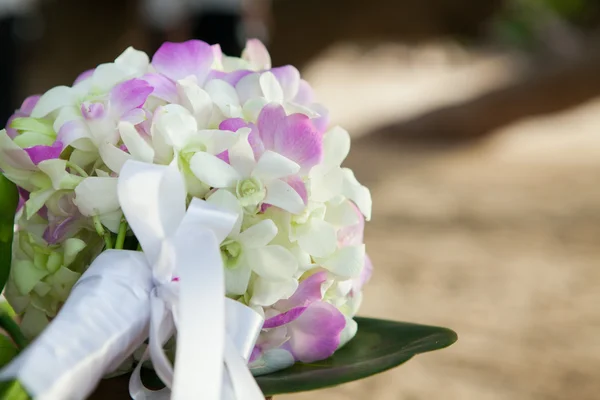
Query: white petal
[225, 199]
[196, 100]
[257, 55]
[273, 165]
[224, 97]
[113, 157]
[52, 100]
[359, 194]
[176, 124]
[133, 60]
[341, 214]
[135, 143]
[253, 107]
[161, 143]
[325, 182]
[216, 141]
[318, 238]
[66, 114]
[271, 88]
[336, 146]
[241, 155]
[347, 262]
[348, 332]
[272, 262]
[258, 235]
[56, 171]
[267, 292]
[112, 220]
[282, 195]
[236, 280]
[106, 76]
[213, 171]
[95, 196]
[249, 87]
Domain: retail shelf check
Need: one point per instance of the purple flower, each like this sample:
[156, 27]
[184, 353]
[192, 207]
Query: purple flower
[175, 61]
[313, 327]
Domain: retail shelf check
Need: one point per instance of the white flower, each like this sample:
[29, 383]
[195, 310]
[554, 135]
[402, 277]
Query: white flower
[253, 182]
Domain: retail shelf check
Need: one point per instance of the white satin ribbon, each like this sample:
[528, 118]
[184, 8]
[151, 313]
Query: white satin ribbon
[177, 282]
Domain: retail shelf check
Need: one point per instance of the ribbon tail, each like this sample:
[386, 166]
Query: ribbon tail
[102, 322]
[243, 383]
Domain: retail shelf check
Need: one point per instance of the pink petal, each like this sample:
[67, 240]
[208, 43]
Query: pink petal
[28, 104]
[308, 292]
[128, 96]
[352, 235]
[292, 136]
[230, 77]
[84, 75]
[315, 335]
[164, 88]
[224, 156]
[289, 79]
[23, 197]
[233, 124]
[12, 132]
[284, 318]
[91, 111]
[180, 60]
[299, 186]
[305, 95]
[322, 121]
[41, 153]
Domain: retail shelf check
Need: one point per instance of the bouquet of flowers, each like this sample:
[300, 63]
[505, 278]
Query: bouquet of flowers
[191, 207]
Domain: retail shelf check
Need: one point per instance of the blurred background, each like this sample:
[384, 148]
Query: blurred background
[476, 126]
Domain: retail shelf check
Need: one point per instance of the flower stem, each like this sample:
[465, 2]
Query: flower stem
[100, 230]
[121, 236]
[13, 330]
[77, 169]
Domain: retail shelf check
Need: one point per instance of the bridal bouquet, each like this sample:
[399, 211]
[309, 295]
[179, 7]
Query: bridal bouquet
[151, 190]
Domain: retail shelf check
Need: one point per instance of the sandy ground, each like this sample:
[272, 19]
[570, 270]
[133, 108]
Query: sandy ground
[498, 241]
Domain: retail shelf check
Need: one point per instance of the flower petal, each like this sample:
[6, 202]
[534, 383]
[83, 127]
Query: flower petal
[289, 80]
[359, 194]
[364, 277]
[284, 318]
[270, 87]
[347, 262]
[41, 153]
[12, 155]
[317, 237]
[272, 262]
[196, 100]
[113, 157]
[282, 195]
[95, 196]
[309, 291]
[249, 87]
[336, 146]
[298, 185]
[164, 88]
[129, 95]
[305, 95]
[179, 60]
[236, 280]
[315, 335]
[137, 146]
[270, 361]
[213, 171]
[225, 199]
[273, 166]
[258, 235]
[293, 136]
[224, 97]
[176, 125]
[133, 60]
[266, 292]
[257, 55]
[52, 100]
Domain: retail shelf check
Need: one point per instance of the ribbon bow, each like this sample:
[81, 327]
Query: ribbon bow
[126, 296]
[183, 249]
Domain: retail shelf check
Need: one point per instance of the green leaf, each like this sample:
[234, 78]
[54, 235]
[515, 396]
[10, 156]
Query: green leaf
[378, 346]
[13, 390]
[8, 350]
[9, 199]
